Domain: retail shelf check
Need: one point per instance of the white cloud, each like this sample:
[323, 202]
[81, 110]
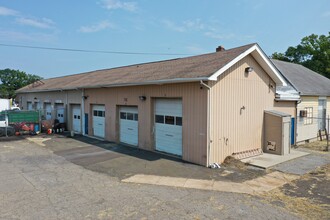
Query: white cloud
[172, 26]
[219, 36]
[227, 36]
[188, 25]
[31, 37]
[43, 23]
[8, 12]
[96, 27]
[194, 24]
[209, 29]
[117, 4]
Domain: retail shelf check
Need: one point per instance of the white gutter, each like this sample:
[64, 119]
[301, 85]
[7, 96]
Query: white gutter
[155, 82]
[208, 122]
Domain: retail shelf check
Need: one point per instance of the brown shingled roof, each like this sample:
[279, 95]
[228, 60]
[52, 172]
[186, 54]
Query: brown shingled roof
[189, 68]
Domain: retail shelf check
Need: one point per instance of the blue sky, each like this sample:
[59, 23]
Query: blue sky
[147, 26]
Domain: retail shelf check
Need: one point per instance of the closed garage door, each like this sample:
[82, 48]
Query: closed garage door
[168, 126]
[128, 124]
[29, 106]
[76, 118]
[48, 111]
[60, 112]
[99, 120]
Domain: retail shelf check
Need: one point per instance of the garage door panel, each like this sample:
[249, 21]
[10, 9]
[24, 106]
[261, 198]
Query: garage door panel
[171, 146]
[169, 141]
[169, 107]
[128, 125]
[76, 118]
[99, 120]
[48, 111]
[168, 126]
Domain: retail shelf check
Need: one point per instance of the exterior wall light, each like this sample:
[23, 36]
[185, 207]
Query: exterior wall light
[248, 69]
[142, 98]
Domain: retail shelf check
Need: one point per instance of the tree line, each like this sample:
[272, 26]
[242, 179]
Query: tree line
[313, 52]
[12, 80]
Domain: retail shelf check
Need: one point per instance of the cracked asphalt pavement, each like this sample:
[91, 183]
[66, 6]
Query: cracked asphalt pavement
[35, 183]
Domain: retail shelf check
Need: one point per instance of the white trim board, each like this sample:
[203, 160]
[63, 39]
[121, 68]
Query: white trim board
[263, 61]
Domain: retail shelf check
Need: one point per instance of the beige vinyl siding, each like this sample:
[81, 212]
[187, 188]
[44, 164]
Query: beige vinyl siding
[288, 107]
[277, 132]
[194, 104]
[307, 131]
[232, 129]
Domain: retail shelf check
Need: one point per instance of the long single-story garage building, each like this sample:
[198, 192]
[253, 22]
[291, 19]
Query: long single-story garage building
[201, 108]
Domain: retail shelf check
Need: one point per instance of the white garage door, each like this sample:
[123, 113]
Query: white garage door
[168, 126]
[128, 124]
[60, 112]
[48, 111]
[76, 118]
[99, 120]
[29, 106]
[37, 105]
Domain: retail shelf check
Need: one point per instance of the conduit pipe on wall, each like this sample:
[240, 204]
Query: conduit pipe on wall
[208, 122]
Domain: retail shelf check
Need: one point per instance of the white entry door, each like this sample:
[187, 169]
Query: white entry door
[48, 111]
[99, 120]
[76, 118]
[168, 126]
[128, 123]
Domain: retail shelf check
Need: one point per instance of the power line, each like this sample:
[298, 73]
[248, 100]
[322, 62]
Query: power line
[92, 51]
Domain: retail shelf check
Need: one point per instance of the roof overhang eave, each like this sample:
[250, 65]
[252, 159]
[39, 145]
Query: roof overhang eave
[315, 94]
[155, 82]
[45, 90]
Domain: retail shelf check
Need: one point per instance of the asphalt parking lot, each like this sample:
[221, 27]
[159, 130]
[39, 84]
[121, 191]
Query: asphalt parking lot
[55, 177]
[123, 161]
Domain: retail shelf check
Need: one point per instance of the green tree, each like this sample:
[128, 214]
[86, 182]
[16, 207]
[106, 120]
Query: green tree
[313, 52]
[12, 80]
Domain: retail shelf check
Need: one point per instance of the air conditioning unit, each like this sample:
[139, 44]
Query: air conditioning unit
[303, 113]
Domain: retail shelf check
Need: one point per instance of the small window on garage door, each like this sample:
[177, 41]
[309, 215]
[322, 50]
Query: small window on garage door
[168, 119]
[99, 113]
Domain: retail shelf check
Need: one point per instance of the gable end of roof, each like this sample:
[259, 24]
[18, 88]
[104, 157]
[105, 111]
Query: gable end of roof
[261, 58]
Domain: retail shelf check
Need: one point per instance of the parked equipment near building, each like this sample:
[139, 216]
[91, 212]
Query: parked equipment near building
[23, 122]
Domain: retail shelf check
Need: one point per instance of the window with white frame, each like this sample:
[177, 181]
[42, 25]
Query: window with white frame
[309, 119]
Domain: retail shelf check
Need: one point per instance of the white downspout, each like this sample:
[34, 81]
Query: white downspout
[208, 122]
[83, 111]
